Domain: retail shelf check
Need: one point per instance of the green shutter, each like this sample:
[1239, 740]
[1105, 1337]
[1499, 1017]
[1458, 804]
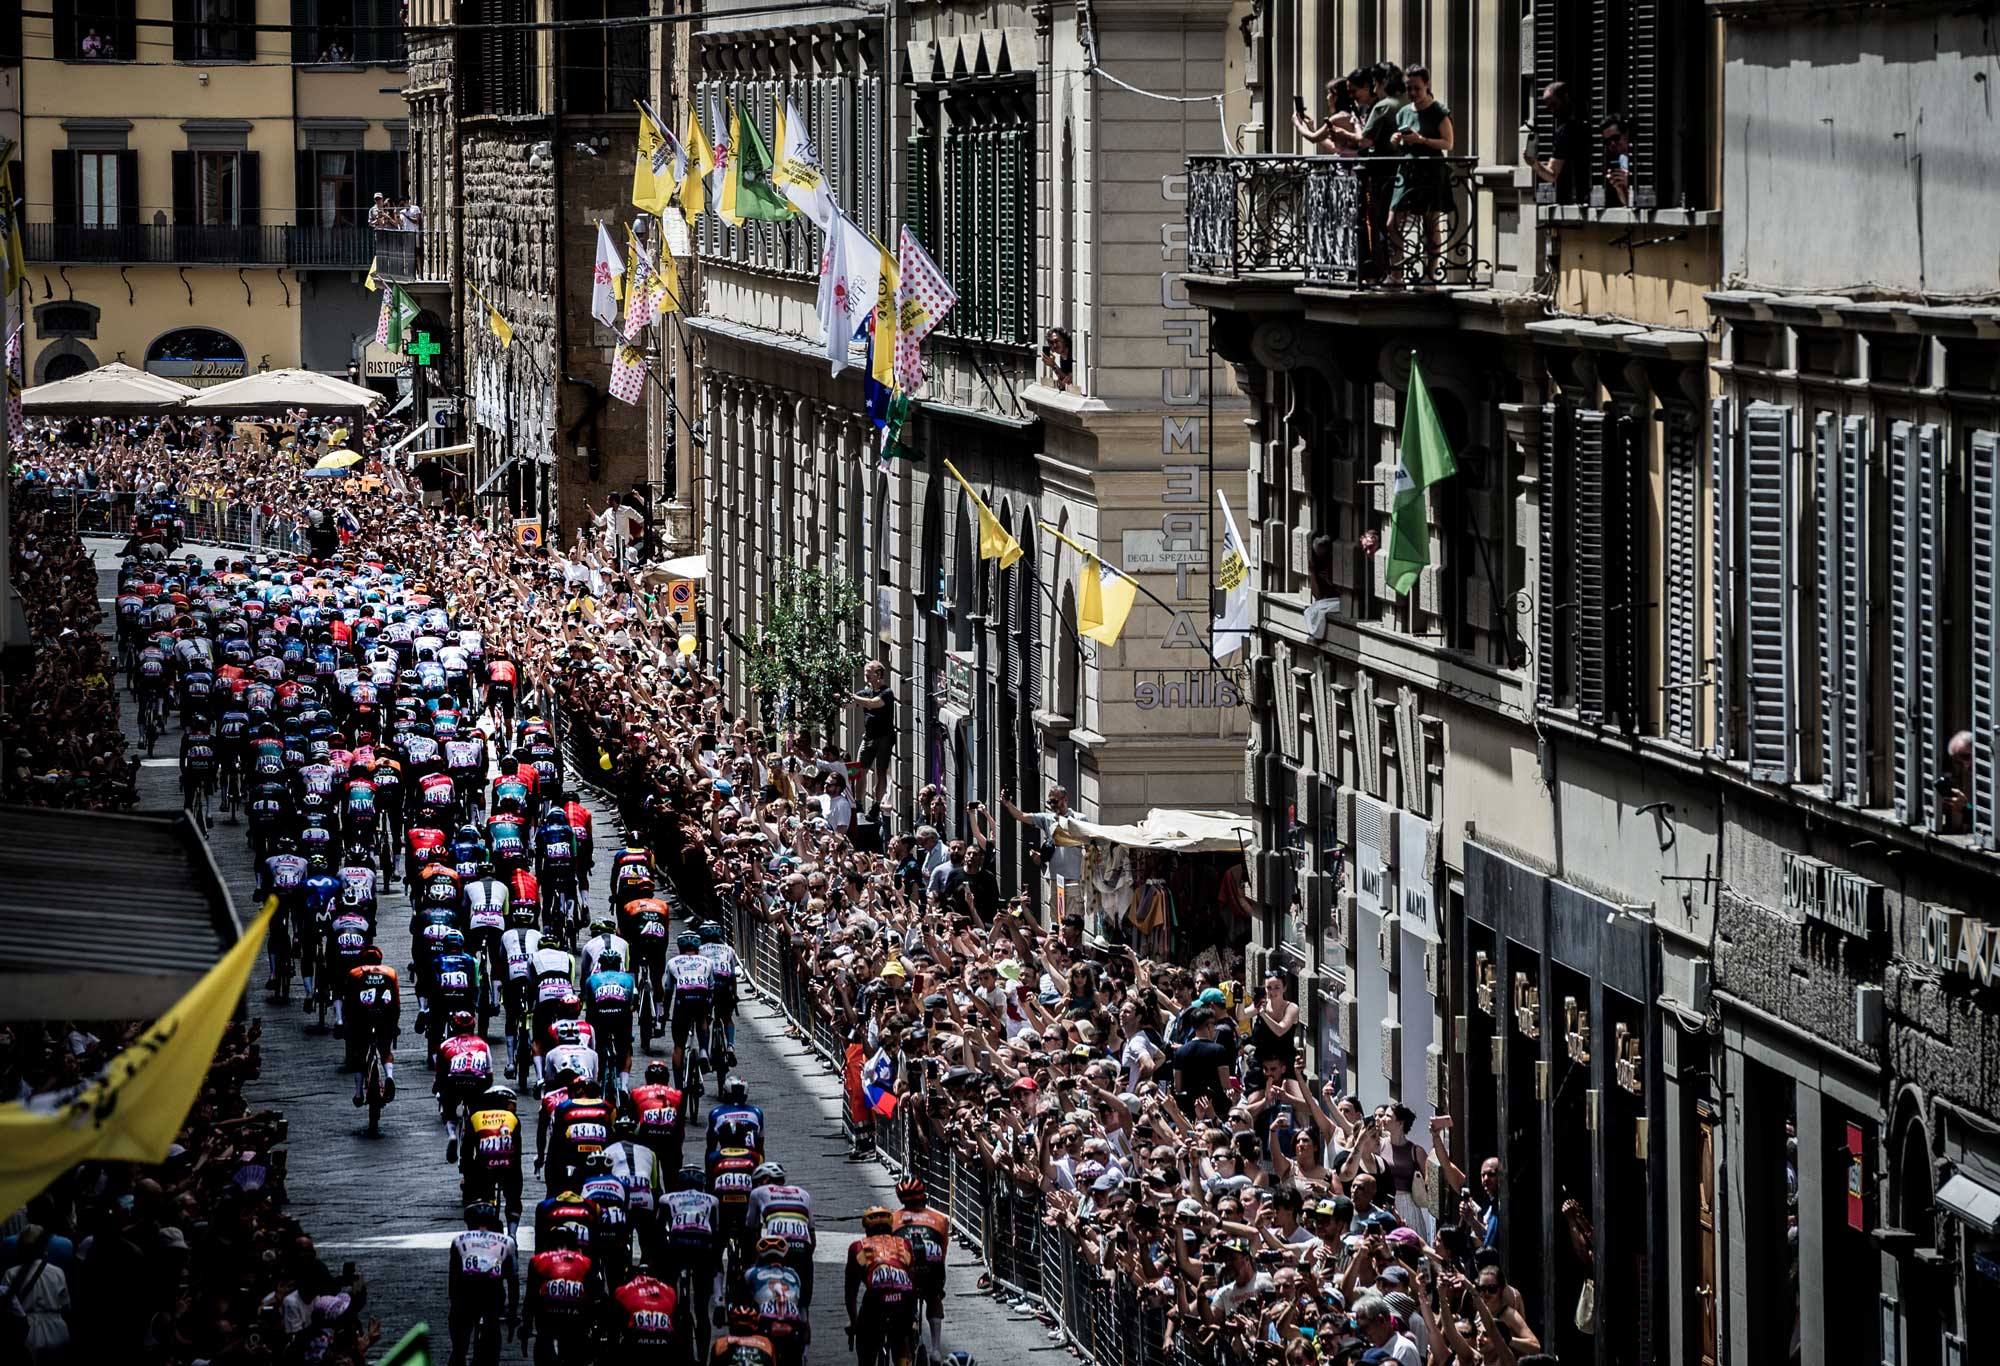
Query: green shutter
[964, 233]
[918, 169]
[989, 229]
[1013, 239]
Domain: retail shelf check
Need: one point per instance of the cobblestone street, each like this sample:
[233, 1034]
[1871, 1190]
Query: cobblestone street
[390, 1204]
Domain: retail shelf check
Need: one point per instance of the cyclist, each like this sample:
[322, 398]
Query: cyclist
[729, 1175]
[578, 816]
[604, 938]
[774, 1288]
[374, 1016]
[735, 1122]
[634, 1164]
[283, 875]
[880, 1297]
[644, 925]
[322, 899]
[464, 1073]
[694, 1256]
[454, 989]
[744, 1344]
[346, 937]
[928, 1232]
[632, 874]
[778, 1210]
[578, 1127]
[519, 943]
[568, 1044]
[486, 900]
[660, 1122]
[722, 958]
[606, 1193]
[564, 1291]
[489, 1163]
[500, 680]
[200, 759]
[690, 993]
[570, 1213]
[482, 1263]
[556, 855]
[643, 1323]
[607, 1002]
[358, 883]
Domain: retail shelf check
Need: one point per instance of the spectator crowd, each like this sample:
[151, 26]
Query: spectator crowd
[1153, 1117]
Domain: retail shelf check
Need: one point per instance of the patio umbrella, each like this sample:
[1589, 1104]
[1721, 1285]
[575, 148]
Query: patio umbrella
[277, 392]
[110, 390]
[337, 460]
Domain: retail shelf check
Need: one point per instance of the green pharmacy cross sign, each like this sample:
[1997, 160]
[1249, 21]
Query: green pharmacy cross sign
[424, 349]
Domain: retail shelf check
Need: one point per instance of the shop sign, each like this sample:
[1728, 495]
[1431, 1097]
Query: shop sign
[1832, 896]
[1162, 549]
[955, 681]
[199, 369]
[1419, 899]
[1961, 945]
[1371, 881]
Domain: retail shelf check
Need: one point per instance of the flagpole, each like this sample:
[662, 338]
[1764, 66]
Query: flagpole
[1170, 609]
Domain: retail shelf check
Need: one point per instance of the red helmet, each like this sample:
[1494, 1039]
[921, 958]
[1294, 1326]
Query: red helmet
[461, 1022]
[911, 1191]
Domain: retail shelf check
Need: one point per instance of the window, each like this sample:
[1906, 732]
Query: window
[605, 70]
[340, 32]
[1643, 63]
[95, 30]
[334, 201]
[217, 189]
[496, 59]
[214, 30]
[985, 246]
[97, 199]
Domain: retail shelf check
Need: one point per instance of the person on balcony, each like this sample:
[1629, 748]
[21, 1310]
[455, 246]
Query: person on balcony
[409, 217]
[94, 47]
[1339, 134]
[1424, 135]
[1385, 104]
[1617, 162]
[1563, 166]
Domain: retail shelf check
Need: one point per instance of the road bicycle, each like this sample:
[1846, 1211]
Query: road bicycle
[232, 788]
[694, 1062]
[375, 1087]
[643, 1003]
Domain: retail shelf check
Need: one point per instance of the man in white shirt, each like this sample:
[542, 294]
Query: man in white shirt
[1376, 1322]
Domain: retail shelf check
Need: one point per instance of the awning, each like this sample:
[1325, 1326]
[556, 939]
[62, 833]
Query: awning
[105, 917]
[1972, 1201]
[276, 392]
[1183, 832]
[687, 567]
[494, 477]
[110, 390]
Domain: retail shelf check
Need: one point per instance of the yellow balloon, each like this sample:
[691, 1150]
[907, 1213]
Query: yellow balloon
[687, 644]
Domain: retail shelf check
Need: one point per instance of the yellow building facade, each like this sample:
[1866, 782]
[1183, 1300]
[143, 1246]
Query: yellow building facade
[198, 178]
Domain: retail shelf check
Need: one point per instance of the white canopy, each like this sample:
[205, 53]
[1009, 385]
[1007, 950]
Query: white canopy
[112, 390]
[278, 391]
[1184, 832]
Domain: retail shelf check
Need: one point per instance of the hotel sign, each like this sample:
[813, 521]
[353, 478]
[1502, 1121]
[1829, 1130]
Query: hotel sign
[1832, 896]
[1961, 945]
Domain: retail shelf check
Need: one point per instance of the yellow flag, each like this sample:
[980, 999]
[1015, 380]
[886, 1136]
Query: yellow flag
[1104, 600]
[133, 1112]
[495, 324]
[882, 356]
[372, 287]
[727, 206]
[701, 163]
[995, 542]
[670, 281]
[647, 191]
[14, 270]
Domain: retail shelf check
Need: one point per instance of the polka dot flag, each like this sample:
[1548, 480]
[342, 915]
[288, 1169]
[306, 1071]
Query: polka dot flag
[923, 297]
[628, 372]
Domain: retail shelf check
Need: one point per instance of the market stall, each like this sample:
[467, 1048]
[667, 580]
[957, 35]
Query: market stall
[1172, 886]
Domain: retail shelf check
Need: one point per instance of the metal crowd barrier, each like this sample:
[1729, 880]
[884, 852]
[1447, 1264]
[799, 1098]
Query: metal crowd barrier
[1099, 1314]
[203, 521]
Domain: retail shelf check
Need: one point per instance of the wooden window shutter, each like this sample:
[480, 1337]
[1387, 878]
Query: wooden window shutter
[1723, 557]
[1547, 31]
[918, 168]
[1767, 546]
[1552, 579]
[305, 40]
[1915, 498]
[1826, 466]
[1841, 456]
[1607, 72]
[184, 206]
[1592, 530]
[1010, 237]
[307, 200]
[250, 188]
[1646, 65]
[186, 48]
[1985, 638]
[1681, 670]
[128, 189]
[1629, 567]
[62, 187]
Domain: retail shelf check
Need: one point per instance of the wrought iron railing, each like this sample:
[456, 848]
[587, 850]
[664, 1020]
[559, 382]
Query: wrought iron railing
[336, 246]
[407, 257]
[1355, 222]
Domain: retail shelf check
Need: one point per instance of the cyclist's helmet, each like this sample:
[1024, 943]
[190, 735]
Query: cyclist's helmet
[770, 1174]
[911, 1191]
[500, 1097]
[692, 1179]
[711, 933]
[689, 942]
[658, 1074]
[461, 1022]
[451, 941]
[371, 953]
[485, 868]
[521, 915]
[744, 1320]
[610, 960]
[876, 1219]
[482, 1214]
[584, 1088]
[561, 1238]
[603, 925]
[772, 1249]
[734, 1091]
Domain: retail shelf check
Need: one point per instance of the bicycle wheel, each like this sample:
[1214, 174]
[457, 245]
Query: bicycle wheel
[645, 1005]
[374, 1086]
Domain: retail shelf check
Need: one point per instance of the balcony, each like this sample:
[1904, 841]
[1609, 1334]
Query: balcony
[1335, 221]
[408, 258]
[340, 247]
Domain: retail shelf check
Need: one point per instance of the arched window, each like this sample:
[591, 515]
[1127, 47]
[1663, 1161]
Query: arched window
[196, 355]
[63, 366]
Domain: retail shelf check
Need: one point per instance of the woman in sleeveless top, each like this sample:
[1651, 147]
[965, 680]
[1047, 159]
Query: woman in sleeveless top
[1274, 1028]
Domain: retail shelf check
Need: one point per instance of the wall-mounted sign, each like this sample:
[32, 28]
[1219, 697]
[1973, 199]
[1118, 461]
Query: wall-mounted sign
[955, 681]
[1153, 550]
[1418, 903]
[1832, 896]
[1961, 945]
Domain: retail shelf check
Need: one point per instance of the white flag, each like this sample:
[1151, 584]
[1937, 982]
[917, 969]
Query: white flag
[607, 280]
[850, 274]
[718, 119]
[797, 173]
[1231, 627]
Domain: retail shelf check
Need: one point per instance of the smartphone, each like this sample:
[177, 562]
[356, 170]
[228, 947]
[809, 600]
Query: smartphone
[1299, 104]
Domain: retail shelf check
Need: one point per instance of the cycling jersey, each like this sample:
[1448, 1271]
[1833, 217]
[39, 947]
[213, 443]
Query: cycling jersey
[519, 947]
[643, 923]
[928, 1233]
[691, 1218]
[883, 1261]
[493, 1140]
[771, 1201]
[780, 1299]
[737, 1349]
[357, 888]
[722, 962]
[690, 982]
[559, 1289]
[373, 988]
[482, 1265]
[568, 1211]
[578, 1059]
[661, 1121]
[736, 1126]
[645, 1319]
[597, 946]
[486, 901]
[729, 1173]
[579, 1127]
[283, 874]
[464, 1062]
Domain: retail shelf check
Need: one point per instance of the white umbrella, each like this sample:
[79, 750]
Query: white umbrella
[276, 392]
[111, 390]
[687, 566]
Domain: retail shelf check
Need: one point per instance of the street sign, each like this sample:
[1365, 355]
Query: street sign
[528, 532]
[680, 598]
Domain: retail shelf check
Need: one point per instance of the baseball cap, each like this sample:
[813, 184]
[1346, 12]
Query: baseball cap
[1106, 1182]
[1395, 1275]
[1026, 1084]
[1406, 1237]
[1188, 1209]
[894, 968]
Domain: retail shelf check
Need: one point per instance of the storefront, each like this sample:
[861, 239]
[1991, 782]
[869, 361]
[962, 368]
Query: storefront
[1172, 886]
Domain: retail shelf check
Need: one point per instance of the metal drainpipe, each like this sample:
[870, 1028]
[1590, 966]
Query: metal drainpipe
[559, 362]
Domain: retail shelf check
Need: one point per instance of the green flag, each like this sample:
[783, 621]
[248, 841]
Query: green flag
[413, 1350]
[1422, 458]
[402, 312]
[902, 408]
[756, 196]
